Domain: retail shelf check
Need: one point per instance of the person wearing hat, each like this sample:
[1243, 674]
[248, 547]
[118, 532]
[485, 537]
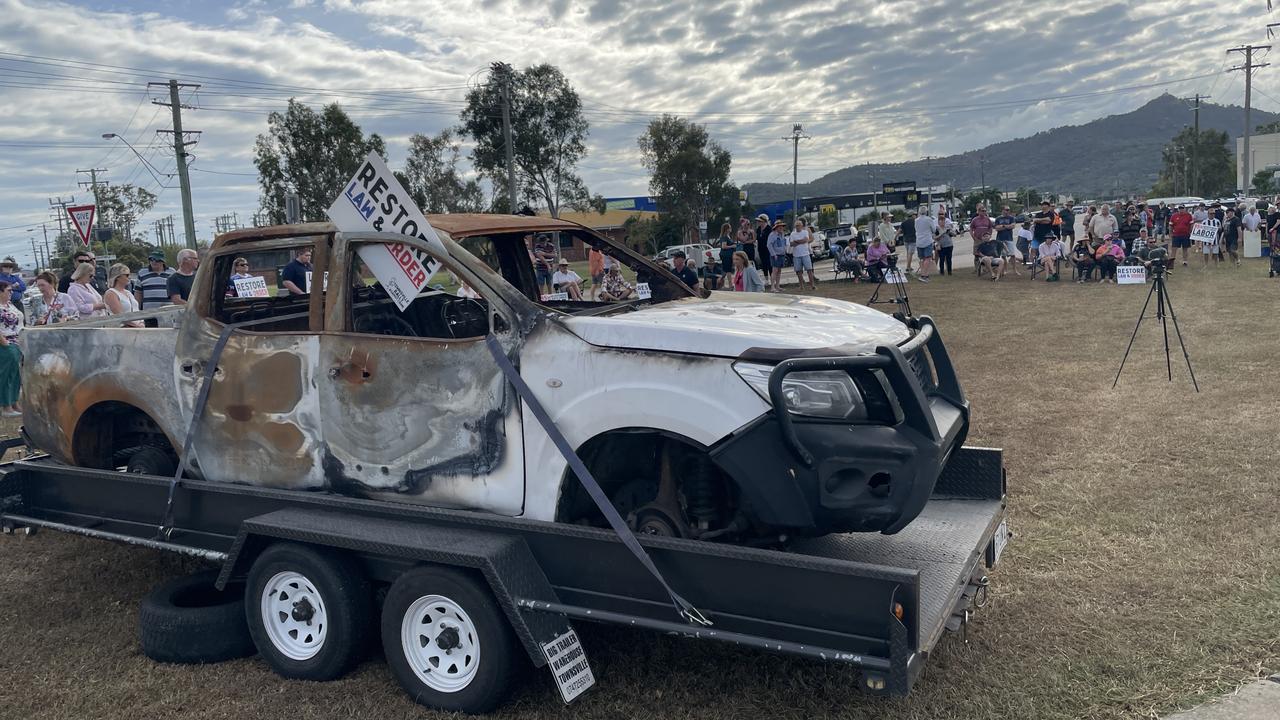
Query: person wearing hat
[763, 229]
[1050, 252]
[777, 246]
[9, 273]
[118, 299]
[615, 287]
[150, 289]
[566, 281]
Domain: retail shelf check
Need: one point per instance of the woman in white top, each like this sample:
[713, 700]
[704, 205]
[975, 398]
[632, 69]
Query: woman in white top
[83, 295]
[802, 253]
[118, 299]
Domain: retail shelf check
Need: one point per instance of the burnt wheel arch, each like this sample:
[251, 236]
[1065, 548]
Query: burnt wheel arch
[627, 463]
[108, 433]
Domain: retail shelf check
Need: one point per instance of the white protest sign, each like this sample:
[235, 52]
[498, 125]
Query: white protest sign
[82, 218]
[375, 200]
[893, 276]
[326, 282]
[555, 296]
[642, 291]
[1131, 275]
[1205, 232]
[568, 664]
[251, 287]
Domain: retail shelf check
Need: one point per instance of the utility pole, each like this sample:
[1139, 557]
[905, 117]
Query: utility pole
[180, 144]
[797, 134]
[982, 173]
[1195, 142]
[1248, 67]
[928, 159]
[59, 209]
[93, 188]
[504, 72]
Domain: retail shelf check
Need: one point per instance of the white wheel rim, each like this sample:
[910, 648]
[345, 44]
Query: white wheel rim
[440, 643]
[294, 616]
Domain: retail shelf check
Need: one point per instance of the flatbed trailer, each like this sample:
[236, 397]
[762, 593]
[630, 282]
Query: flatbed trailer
[877, 602]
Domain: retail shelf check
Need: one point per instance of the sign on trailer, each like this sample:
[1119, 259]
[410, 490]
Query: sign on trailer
[374, 200]
[568, 663]
[82, 218]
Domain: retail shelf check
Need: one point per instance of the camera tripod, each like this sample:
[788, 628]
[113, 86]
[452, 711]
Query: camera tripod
[1162, 301]
[899, 289]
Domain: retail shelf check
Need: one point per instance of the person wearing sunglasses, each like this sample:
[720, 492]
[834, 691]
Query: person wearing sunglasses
[239, 271]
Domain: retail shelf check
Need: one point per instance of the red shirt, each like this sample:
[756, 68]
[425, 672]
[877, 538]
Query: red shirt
[1180, 224]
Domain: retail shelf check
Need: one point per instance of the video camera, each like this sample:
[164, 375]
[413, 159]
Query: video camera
[1158, 257]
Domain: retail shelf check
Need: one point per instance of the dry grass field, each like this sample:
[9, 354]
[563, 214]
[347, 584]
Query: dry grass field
[1144, 575]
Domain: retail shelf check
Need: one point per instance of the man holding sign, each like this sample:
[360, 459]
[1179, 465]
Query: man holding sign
[1205, 234]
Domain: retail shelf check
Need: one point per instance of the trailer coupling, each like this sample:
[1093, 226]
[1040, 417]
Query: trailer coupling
[972, 598]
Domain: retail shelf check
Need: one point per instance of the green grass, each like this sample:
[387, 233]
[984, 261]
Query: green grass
[1144, 575]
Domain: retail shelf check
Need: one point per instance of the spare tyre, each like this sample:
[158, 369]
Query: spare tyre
[187, 620]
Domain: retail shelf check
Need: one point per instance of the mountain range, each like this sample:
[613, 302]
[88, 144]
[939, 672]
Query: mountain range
[1116, 154]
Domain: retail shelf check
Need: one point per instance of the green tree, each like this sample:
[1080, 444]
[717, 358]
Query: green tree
[1216, 175]
[991, 197]
[1264, 183]
[828, 218]
[548, 136]
[431, 176]
[653, 234]
[689, 172]
[120, 206]
[311, 153]
[1271, 127]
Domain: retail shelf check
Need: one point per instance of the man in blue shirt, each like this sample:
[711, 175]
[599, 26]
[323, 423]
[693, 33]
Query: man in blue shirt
[1004, 238]
[294, 275]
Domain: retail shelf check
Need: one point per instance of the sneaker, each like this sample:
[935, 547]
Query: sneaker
[10, 414]
[923, 278]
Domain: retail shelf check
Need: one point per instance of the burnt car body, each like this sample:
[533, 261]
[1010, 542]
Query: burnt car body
[729, 416]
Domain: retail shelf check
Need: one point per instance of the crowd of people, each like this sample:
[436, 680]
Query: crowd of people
[80, 292]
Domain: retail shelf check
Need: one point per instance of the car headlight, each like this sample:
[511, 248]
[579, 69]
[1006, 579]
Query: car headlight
[829, 394]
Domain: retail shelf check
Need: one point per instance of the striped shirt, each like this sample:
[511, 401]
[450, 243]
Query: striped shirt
[154, 287]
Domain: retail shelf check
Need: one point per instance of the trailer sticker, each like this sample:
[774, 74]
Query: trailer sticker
[569, 667]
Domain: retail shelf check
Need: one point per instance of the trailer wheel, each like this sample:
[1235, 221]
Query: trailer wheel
[308, 611]
[447, 642]
[187, 620]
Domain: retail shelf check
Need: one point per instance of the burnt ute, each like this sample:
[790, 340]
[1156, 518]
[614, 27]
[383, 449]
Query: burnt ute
[738, 416]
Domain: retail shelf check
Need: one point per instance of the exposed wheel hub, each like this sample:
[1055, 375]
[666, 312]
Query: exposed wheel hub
[303, 611]
[449, 639]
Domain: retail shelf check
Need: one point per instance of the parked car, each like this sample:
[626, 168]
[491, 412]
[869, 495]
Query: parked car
[354, 391]
[698, 254]
[844, 234]
[820, 247]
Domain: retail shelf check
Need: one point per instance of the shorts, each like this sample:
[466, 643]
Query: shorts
[1010, 249]
[1182, 241]
[543, 276]
[1230, 243]
[911, 248]
[1024, 246]
[802, 262]
[924, 252]
[1209, 248]
[597, 278]
[1067, 233]
[778, 261]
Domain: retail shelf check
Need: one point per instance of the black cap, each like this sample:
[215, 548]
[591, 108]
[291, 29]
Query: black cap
[156, 257]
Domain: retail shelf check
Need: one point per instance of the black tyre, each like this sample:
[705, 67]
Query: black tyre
[308, 611]
[151, 461]
[447, 642]
[187, 620]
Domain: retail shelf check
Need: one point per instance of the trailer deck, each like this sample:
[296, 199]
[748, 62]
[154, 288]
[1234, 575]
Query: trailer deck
[878, 602]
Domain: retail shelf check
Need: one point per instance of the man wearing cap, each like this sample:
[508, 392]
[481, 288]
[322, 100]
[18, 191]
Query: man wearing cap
[1041, 226]
[762, 244]
[544, 255]
[680, 268]
[1180, 228]
[152, 282]
[9, 273]
[566, 281]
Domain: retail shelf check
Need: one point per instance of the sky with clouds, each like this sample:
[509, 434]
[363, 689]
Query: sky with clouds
[871, 80]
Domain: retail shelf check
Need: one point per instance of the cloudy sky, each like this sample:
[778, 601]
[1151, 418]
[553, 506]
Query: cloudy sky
[872, 81]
